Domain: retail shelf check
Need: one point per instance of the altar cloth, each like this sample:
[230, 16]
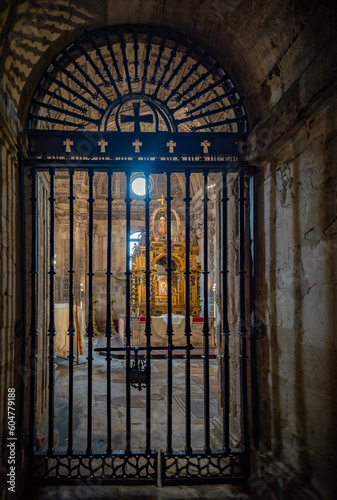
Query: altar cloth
[159, 325]
[61, 341]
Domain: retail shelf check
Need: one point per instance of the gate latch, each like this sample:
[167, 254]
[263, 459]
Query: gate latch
[138, 372]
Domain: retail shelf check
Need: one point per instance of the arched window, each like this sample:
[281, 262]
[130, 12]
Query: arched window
[134, 240]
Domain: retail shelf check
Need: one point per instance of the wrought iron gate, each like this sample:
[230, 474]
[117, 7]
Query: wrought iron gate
[129, 152]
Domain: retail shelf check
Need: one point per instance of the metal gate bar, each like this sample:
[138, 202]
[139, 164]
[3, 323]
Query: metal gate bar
[148, 313]
[128, 314]
[51, 330]
[124, 467]
[90, 329]
[242, 320]
[169, 315]
[188, 447]
[205, 330]
[108, 310]
[71, 330]
[224, 323]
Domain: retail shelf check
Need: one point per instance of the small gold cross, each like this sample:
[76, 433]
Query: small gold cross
[162, 199]
[102, 143]
[67, 143]
[171, 145]
[137, 145]
[205, 144]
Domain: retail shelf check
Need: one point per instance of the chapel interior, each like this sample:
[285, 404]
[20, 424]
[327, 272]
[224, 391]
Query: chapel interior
[137, 249]
[281, 58]
[159, 307]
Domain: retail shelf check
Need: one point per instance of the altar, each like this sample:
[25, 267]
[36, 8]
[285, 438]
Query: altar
[61, 340]
[159, 265]
[159, 296]
[159, 331]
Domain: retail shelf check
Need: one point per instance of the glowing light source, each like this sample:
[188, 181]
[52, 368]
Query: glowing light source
[138, 186]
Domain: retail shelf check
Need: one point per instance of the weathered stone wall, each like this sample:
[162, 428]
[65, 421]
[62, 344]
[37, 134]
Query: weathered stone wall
[295, 147]
[11, 328]
[295, 301]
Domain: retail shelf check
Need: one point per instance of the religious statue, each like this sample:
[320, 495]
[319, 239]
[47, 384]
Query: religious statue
[194, 237]
[162, 229]
[142, 238]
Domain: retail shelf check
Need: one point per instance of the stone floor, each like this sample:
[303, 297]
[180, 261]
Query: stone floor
[158, 402]
[84, 492]
[158, 435]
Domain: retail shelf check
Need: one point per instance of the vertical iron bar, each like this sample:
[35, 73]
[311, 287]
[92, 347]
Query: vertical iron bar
[128, 312]
[188, 447]
[148, 314]
[51, 329]
[136, 49]
[146, 61]
[225, 327]
[71, 330]
[108, 311]
[23, 298]
[33, 326]
[242, 322]
[90, 318]
[206, 325]
[169, 316]
[125, 60]
[253, 318]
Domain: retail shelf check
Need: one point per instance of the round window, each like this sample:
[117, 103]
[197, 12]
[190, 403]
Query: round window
[138, 184]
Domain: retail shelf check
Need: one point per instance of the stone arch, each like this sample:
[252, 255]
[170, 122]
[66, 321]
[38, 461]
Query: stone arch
[40, 32]
[161, 72]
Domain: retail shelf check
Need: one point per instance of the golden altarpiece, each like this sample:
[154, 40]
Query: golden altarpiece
[158, 263]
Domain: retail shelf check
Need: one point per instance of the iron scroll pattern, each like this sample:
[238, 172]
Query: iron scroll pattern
[201, 468]
[138, 76]
[133, 467]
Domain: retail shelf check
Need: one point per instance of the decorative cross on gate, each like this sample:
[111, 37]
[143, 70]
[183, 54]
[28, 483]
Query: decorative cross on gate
[136, 118]
[171, 145]
[205, 144]
[68, 143]
[137, 145]
[103, 143]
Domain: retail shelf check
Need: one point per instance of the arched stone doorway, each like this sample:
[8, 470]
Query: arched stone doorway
[115, 102]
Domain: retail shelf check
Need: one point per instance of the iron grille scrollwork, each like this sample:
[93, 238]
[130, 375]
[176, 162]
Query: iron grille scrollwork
[200, 467]
[94, 83]
[117, 467]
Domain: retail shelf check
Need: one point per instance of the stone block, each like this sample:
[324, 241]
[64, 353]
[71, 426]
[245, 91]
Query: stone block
[317, 322]
[319, 74]
[317, 263]
[311, 39]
